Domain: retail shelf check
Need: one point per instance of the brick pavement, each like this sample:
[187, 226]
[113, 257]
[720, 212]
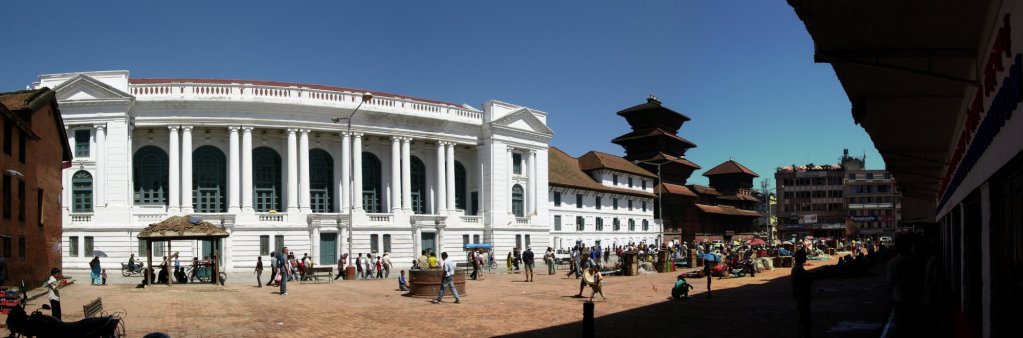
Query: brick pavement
[500, 305]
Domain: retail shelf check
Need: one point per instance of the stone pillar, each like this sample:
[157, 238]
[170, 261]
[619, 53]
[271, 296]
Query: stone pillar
[450, 158]
[101, 163]
[511, 181]
[292, 170]
[233, 172]
[303, 170]
[440, 203]
[357, 175]
[186, 169]
[533, 179]
[246, 169]
[406, 175]
[344, 194]
[174, 175]
[396, 191]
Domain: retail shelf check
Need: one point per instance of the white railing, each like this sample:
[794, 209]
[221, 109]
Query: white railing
[81, 218]
[522, 220]
[147, 219]
[218, 219]
[380, 218]
[242, 91]
[471, 219]
[272, 217]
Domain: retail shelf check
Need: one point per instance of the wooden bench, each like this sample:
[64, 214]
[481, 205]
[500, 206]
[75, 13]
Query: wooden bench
[94, 308]
[316, 272]
[466, 266]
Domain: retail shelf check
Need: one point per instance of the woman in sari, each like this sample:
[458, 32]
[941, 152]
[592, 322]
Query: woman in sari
[509, 262]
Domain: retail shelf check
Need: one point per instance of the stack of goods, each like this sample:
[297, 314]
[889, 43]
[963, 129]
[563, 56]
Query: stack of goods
[9, 299]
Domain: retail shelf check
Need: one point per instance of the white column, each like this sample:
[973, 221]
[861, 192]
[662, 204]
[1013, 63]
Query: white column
[246, 169]
[292, 171]
[303, 170]
[174, 175]
[511, 180]
[396, 191]
[186, 169]
[346, 172]
[441, 187]
[450, 158]
[357, 174]
[101, 150]
[533, 190]
[233, 197]
[406, 175]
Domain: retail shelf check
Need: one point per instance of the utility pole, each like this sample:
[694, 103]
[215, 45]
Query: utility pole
[767, 199]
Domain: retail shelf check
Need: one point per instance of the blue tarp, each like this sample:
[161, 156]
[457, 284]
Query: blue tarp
[478, 246]
[711, 257]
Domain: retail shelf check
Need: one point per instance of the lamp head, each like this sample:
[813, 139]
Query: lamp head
[335, 119]
[367, 96]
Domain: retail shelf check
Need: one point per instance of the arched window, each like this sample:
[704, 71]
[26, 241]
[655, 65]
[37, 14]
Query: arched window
[632, 225]
[418, 173]
[149, 166]
[209, 179]
[517, 201]
[321, 181]
[646, 225]
[460, 186]
[81, 192]
[266, 180]
[371, 185]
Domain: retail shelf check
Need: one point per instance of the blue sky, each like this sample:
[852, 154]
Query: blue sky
[742, 70]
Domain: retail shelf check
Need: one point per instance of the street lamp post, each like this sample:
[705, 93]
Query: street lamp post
[660, 201]
[350, 270]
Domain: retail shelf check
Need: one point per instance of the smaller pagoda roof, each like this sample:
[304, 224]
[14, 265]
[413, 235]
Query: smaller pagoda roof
[665, 157]
[179, 227]
[704, 190]
[726, 210]
[654, 132]
[730, 167]
[675, 189]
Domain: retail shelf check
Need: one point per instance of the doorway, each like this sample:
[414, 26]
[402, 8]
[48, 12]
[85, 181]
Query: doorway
[429, 241]
[328, 248]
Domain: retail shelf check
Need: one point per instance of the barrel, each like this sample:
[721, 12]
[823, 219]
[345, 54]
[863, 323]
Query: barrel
[630, 263]
[426, 283]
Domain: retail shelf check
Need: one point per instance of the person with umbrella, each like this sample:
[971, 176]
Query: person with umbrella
[95, 267]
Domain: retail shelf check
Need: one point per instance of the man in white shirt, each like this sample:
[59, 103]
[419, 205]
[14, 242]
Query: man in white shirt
[52, 284]
[449, 279]
[387, 265]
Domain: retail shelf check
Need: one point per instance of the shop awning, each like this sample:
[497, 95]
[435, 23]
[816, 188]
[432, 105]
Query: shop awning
[907, 68]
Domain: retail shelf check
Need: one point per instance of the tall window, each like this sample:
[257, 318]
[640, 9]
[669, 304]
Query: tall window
[22, 144]
[209, 179]
[81, 192]
[644, 206]
[518, 241]
[143, 249]
[557, 198]
[630, 181]
[418, 185]
[371, 185]
[600, 224]
[518, 207]
[264, 245]
[72, 246]
[578, 200]
[630, 205]
[149, 166]
[88, 246]
[646, 225]
[8, 201]
[21, 247]
[614, 179]
[465, 243]
[632, 225]
[266, 179]
[460, 186]
[557, 222]
[374, 245]
[597, 202]
[580, 223]
[617, 224]
[387, 242]
[517, 163]
[614, 203]
[82, 142]
[278, 243]
[321, 181]
[8, 139]
[39, 206]
[5, 247]
[21, 201]
[643, 182]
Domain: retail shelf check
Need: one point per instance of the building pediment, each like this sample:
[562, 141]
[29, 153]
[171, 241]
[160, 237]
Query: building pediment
[523, 120]
[81, 87]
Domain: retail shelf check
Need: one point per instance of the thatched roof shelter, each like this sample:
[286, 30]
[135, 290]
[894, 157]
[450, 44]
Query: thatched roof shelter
[179, 227]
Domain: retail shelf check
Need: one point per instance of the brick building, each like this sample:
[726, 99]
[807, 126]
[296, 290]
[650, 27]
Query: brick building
[34, 150]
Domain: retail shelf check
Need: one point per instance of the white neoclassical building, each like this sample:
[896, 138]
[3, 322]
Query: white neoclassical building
[265, 160]
[600, 197]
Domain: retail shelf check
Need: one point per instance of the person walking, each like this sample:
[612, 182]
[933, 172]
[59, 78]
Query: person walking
[510, 262]
[341, 267]
[52, 284]
[387, 265]
[479, 262]
[285, 269]
[548, 258]
[380, 268]
[273, 269]
[527, 258]
[708, 268]
[369, 262]
[448, 280]
[94, 269]
[802, 283]
[359, 274]
[259, 271]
